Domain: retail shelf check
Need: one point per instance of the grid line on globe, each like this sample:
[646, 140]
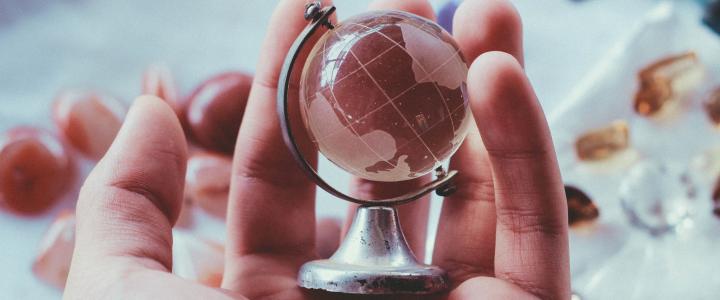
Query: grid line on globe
[414, 131]
[419, 65]
[385, 102]
[457, 52]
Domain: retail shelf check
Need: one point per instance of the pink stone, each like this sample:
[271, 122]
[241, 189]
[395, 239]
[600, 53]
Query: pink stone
[207, 182]
[52, 263]
[198, 259]
[88, 120]
[158, 81]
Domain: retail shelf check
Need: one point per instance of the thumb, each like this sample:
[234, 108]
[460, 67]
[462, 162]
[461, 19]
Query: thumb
[131, 199]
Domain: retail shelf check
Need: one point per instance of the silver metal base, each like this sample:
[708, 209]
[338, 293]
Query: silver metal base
[374, 258]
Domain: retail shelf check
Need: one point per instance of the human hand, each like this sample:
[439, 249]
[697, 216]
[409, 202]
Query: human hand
[502, 235]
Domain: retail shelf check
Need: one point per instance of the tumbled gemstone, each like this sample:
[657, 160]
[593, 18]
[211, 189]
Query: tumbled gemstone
[207, 182]
[603, 142]
[158, 81]
[712, 107]
[712, 16]
[581, 209]
[215, 110]
[198, 259]
[88, 120]
[52, 262]
[716, 198]
[666, 81]
[35, 170]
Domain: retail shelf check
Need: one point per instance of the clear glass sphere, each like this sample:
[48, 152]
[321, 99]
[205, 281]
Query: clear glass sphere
[383, 95]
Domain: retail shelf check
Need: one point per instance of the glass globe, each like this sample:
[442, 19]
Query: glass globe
[383, 96]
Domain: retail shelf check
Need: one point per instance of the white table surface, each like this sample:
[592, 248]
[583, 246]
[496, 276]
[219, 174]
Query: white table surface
[48, 45]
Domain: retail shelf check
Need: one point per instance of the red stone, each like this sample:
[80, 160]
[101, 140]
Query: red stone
[35, 170]
[215, 110]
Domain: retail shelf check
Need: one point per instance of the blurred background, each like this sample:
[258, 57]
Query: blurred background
[66, 63]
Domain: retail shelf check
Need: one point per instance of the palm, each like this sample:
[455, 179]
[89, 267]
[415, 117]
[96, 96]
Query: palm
[502, 235]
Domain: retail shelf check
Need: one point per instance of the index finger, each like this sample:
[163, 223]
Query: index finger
[266, 180]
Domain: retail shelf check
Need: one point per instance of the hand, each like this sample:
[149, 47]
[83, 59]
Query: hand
[502, 235]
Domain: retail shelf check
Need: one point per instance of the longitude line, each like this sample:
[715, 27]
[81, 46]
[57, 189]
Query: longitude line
[398, 110]
[434, 125]
[355, 131]
[423, 69]
[393, 99]
[342, 112]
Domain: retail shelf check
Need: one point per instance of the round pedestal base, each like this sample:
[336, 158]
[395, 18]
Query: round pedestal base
[356, 279]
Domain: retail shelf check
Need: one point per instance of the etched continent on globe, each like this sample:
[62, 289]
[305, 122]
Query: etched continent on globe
[383, 95]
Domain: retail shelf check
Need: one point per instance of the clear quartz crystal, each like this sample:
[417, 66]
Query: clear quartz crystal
[656, 196]
[603, 142]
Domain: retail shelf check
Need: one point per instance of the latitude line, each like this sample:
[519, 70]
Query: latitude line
[457, 51]
[435, 125]
[397, 109]
[442, 97]
[332, 94]
[342, 112]
[358, 69]
[393, 99]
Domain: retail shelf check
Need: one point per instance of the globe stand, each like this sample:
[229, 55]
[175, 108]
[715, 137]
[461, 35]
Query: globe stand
[374, 257]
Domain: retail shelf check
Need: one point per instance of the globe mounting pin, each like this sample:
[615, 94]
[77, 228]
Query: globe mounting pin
[313, 12]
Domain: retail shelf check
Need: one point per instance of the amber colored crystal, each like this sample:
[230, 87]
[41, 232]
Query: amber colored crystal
[712, 106]
[52, 263]
[35, 170]
[581, 208]
[215, 110]
[88, 120]
[207, 182]
[665, 81]
[602, 143]
[198, 259]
